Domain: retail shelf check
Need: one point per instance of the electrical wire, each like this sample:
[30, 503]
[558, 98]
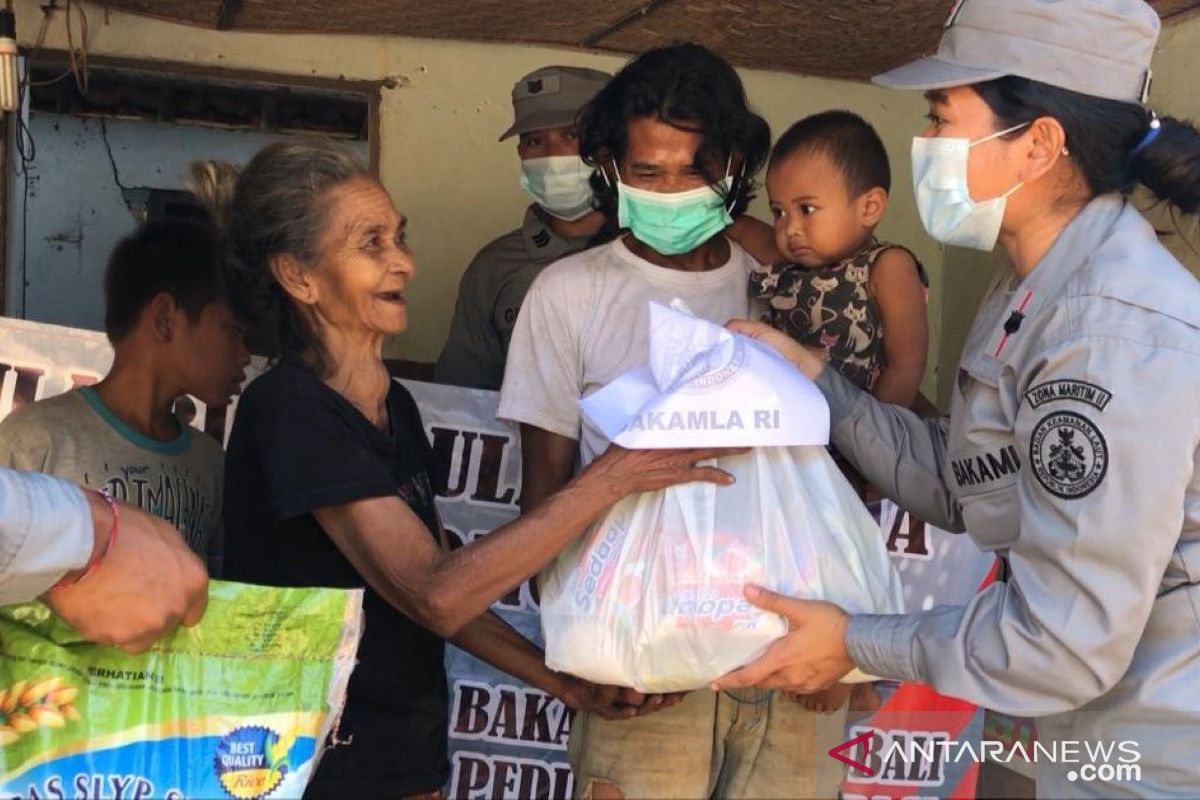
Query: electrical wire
[79, 64]
[25, 145]
[77, 67]
[77, 57]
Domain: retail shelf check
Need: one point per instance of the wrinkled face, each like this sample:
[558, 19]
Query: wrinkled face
[816, 221]
[211, 354]
[549, 142]
[363, 264]
[992, 167]
[660, 157]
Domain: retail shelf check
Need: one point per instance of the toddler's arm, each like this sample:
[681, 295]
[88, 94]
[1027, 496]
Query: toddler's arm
[896, 286]
[756, 237]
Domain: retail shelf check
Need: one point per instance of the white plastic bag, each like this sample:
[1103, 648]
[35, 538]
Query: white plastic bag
[653, 596]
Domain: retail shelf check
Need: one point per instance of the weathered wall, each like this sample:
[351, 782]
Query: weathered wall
[69, 210]
[440, 158]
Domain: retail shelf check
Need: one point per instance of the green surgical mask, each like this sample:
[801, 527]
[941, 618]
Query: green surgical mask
[673, 223]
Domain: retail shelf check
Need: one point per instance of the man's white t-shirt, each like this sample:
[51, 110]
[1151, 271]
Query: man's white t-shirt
[585, 322]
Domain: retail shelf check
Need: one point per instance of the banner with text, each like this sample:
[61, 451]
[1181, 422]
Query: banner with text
[507, 739]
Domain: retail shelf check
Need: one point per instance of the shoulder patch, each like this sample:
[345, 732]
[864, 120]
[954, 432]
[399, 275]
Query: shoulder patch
[1068, 454]
[1095, 396]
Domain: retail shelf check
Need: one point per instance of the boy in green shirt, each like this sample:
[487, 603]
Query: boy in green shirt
[173, 333]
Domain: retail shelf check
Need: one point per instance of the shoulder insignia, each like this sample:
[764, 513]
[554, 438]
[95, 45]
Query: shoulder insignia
[1080, 391]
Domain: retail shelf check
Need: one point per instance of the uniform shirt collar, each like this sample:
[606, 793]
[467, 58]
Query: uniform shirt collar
[1001, 326]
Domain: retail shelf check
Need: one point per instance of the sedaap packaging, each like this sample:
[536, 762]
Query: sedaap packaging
[239, 706]
[652, 597]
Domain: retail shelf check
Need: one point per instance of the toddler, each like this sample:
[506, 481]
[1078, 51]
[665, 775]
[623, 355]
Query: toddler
[836, 286]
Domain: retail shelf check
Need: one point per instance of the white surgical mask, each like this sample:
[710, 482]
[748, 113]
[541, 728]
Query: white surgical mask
[559, 184]
[944, 198]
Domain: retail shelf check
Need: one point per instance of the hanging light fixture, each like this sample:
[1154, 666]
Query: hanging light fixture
[8, 59]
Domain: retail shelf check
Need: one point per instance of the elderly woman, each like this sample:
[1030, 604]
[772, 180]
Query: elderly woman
[328, 471]
[1073, 443]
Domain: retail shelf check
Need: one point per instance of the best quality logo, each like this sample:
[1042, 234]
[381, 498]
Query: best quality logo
[252, 761]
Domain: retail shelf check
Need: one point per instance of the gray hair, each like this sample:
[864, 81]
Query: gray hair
[276, 205]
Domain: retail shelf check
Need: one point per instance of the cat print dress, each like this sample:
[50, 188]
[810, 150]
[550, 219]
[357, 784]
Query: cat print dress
[831, 307]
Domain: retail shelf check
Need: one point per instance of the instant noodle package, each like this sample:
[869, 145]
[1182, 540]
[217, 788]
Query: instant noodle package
[652, 597]
[237, 707]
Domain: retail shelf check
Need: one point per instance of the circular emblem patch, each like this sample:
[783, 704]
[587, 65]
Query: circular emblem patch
[718, 365]
[1069, 454]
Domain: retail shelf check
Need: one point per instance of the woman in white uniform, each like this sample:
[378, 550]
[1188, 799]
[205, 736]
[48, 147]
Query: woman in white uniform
[1073, 443]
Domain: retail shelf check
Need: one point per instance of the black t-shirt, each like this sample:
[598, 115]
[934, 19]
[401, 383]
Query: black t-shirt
[296, 446]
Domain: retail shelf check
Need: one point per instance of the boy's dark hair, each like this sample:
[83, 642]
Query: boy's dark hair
[179, 257]
[686, 86]
[850, 143]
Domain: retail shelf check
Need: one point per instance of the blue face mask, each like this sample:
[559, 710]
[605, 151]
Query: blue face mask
[673, 223]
